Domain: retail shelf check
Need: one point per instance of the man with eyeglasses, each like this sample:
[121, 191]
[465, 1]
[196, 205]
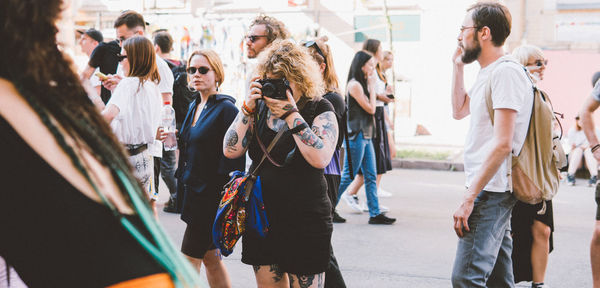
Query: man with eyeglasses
[482, 222]
[263, 31]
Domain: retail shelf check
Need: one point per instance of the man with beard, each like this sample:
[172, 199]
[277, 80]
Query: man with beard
[482, 221]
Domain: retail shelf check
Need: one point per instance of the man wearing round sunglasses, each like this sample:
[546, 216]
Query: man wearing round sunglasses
[263, 31]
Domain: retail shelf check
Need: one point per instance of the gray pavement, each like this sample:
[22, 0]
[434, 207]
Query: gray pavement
[418, 250]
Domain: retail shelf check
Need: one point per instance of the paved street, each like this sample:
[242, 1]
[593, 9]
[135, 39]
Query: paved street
[418, 250]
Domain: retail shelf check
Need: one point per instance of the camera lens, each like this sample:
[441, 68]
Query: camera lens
[268, 90]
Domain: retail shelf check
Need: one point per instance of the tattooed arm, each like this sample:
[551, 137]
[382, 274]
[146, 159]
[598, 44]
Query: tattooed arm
[316, 143]
[237, 137]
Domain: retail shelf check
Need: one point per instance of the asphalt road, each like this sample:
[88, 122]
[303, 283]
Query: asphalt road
[418, 250]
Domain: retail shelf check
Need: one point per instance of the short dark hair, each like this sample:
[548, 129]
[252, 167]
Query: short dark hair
[164, 41]
[131, 19]
[496, 17]
[275, 28]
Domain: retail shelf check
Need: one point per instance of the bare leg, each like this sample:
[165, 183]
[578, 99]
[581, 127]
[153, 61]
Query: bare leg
[307, 281]
[595, 255]
[270, 276]
[216, 273]
[196, 262]
[378, 180]
[539, 250]
[358, 182]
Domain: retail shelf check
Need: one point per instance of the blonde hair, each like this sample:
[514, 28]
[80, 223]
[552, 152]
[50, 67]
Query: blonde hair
[524, 52]
[329, 76]
[284, 59]
[213, 60]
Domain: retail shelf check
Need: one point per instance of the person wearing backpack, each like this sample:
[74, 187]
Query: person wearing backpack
[482, 221]
[591, 105]
[321, 53]
[531, 231]
[182, 97]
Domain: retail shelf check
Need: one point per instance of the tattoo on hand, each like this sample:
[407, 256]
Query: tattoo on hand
[231, 140]
[288, 107]
[278, 274]
[307, 136]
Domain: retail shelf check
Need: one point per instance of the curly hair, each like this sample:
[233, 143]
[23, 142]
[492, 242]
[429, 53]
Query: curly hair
[275, 29]
[284, 59]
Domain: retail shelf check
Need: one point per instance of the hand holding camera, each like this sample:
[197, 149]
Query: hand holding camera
[280, 108]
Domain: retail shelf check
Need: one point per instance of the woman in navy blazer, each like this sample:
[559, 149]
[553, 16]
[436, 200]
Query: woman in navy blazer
[203, 170]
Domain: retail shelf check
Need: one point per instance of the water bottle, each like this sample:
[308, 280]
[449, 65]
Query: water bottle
[168, 124]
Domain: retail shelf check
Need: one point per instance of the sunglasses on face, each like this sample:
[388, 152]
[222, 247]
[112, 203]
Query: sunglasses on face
[121, 57]
[202, 69]
[253, 38]
[313, 44]
[539, 63]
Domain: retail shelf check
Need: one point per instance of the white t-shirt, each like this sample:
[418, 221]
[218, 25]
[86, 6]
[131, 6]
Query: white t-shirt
[379, 89]
[139, 111]
[511, 89]
[578, 138]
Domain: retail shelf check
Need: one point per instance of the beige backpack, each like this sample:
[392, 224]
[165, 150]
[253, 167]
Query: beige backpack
[534, 176]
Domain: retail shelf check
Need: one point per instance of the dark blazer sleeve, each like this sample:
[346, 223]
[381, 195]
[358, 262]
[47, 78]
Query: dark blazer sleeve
[227, 165]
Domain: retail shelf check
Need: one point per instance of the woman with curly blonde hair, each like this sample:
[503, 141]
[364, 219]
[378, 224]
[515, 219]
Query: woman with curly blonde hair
[296, 250]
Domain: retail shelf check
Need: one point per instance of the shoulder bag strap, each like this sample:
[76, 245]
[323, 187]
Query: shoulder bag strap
[268, 149]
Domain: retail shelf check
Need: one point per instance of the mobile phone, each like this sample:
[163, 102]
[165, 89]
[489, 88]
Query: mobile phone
[101, 75]
[391, 96]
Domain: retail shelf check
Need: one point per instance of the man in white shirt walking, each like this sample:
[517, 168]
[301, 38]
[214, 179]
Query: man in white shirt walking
[482, 221]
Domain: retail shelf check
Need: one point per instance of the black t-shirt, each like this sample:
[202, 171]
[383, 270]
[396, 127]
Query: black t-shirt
[105, 57]
[340, 107]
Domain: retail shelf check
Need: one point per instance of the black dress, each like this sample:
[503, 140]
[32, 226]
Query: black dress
[296, 202]
[55, 236]
[523, 215]
[204, 170]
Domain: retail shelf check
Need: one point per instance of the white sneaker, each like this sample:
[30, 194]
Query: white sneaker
[352, 201]
[382, 209]
[383, 194]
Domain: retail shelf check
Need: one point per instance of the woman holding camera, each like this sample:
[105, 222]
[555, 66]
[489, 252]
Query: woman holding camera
[296, 250]
[361, 124]
[203, 170]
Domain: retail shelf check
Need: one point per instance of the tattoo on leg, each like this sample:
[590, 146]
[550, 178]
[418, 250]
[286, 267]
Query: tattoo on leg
[231, 140]
[256, 268]
[307, 136]
[278, 275]
[305, 281]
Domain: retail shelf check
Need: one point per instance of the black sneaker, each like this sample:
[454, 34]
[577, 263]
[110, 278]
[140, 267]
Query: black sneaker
[337, 218]
[170, 207]
[381, 219]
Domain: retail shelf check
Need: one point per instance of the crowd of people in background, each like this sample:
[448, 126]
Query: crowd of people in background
[100, 134]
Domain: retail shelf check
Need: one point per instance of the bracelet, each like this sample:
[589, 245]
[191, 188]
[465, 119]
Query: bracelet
[596, 147]
[298, 128]
[288, 113]
[245, 112]
[250, 111]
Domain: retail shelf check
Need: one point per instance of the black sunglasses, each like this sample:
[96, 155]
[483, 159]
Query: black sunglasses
[313, 44]
[121, 57]
[253, 38]
[540, 62]
[202, 69]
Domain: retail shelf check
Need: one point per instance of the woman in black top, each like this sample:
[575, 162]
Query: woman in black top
[297, 248]
[71, 212]
[203, 170]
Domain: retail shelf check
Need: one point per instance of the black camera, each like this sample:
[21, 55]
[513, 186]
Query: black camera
[274, 88]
